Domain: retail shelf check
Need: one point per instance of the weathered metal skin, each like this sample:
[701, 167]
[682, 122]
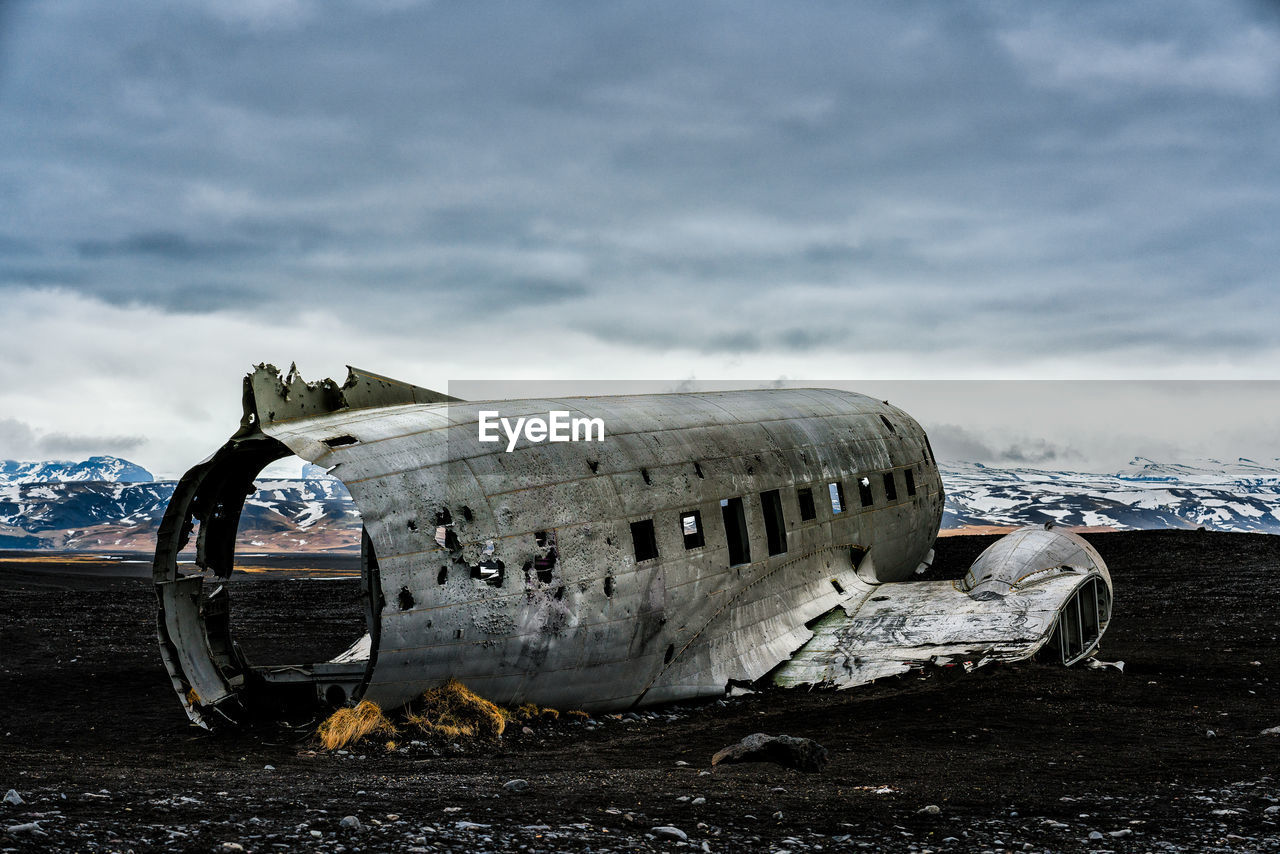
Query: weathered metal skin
[517, 572]
[1009, 606]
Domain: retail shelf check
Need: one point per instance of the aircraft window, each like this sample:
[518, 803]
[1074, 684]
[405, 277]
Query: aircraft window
[644, 540]
[490, 571]
[805, 499]
[864, 492]
[837, 496]
[735, 529]
[775, 527]
[691, 527]
[890, 487]
[911, 481]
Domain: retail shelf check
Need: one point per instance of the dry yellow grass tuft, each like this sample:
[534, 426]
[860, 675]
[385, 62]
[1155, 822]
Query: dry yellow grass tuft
[454, 711]
[577, 715]
[347, 726]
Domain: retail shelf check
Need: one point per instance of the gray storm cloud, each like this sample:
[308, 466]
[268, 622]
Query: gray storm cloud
[801, 189]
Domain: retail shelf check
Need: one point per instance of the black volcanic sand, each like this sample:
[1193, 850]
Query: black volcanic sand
[1167, 755]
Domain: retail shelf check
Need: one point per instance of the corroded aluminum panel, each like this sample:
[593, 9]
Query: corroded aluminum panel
[516, 573]
[684, 625]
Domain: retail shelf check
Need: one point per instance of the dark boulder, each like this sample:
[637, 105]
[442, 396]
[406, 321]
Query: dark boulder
[788, 751]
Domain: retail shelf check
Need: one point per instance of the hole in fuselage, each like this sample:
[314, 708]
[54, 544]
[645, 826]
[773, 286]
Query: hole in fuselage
[298, 595]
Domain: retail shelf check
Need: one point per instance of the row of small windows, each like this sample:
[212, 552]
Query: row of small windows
[645, 541]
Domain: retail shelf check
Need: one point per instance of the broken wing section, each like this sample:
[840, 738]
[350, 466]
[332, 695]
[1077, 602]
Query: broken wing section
[1035, 589]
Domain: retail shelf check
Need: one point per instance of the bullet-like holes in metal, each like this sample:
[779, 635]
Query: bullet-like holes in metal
[443, 575]
[545, 562]
[404, 599]
[608, 586]
[670, 654]
[836, 585]
[340, 441]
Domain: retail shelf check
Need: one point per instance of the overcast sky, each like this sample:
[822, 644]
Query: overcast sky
[451, 190]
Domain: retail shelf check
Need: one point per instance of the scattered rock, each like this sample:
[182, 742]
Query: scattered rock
[788, 751]
[471, 825]
[932, 809]
[268, 767]
[350, 822]
[516, 785]
[669, 832]
[1273, 730]
[29, 827]
[232, 846]
[13, 798]
[697, 802]
[1094, 836]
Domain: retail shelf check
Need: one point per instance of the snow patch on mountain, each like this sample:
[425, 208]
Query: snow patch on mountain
[83, 511]
[1239, 495]
[93, 470]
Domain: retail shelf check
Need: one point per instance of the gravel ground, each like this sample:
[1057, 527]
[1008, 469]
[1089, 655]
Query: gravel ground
[1167, 755]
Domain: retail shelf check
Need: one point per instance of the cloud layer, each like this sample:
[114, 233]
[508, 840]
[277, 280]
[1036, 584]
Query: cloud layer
[657, 189]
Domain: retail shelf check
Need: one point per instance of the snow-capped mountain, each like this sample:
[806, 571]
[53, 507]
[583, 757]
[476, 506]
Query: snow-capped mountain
[94, 469]
[82, 513]
[315, 512]
[1242, 495]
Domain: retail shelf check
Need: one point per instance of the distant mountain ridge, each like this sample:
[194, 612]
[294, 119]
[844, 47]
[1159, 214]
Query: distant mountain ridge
[1242, 495]
[95, 469]
[105, 504]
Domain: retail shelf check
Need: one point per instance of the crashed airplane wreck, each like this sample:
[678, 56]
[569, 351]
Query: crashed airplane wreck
[694, 543]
